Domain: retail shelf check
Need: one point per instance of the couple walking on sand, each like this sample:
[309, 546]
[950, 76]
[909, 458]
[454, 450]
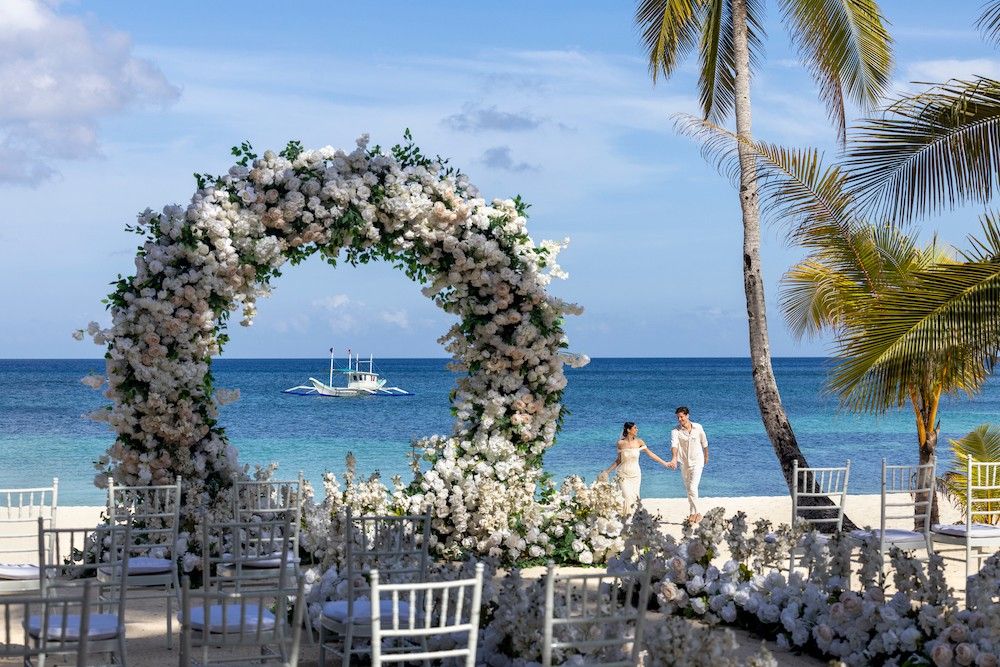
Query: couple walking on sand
[689, 451]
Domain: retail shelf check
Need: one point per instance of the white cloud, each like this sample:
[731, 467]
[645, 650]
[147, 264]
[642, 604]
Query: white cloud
[297, 324]
[332, 302]
[396, 317]
[499, 157]
[939, 71]
[343, 323]
[58, 78]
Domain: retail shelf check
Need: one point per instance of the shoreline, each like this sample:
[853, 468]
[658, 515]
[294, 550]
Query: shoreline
[863, 508]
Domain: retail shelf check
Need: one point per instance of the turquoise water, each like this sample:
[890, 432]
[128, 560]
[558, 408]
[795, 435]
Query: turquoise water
[42, 432]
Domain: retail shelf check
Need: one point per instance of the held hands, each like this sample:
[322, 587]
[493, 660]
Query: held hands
[671, 464]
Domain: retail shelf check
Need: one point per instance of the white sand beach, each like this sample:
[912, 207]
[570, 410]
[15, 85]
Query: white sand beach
[146, 618]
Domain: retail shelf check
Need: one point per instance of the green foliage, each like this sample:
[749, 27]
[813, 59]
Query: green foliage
[843, 43]
[982, 445]
[245, 155]
[292, 150]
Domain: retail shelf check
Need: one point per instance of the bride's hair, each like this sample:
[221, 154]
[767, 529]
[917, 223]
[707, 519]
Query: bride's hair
[625, 429]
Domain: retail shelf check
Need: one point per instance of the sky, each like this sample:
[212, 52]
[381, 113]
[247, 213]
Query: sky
[108, 107]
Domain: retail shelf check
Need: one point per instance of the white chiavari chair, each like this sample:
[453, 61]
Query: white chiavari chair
[154, 512]
[61, 622]
[244, 554]
[20, 510]
[599, 616]
[71, 556]
[907, 496]
[242, 627]
[979, 536]
[809, 483]
[427, 621]
[397, 546]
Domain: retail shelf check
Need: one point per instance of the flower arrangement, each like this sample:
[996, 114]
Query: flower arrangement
[817, 611]
[197, 264]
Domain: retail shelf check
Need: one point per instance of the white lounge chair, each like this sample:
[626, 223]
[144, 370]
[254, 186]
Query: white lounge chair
[597, 615]
[20, 510]
[426, 621]
[979, 536]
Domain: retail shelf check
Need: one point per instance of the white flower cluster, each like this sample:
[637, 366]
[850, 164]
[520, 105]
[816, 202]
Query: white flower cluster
[201, 262]
[816, 611]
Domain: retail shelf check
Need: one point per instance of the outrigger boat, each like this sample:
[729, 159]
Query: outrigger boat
[360, 381]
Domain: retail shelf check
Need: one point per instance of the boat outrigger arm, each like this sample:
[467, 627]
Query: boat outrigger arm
[360, 382]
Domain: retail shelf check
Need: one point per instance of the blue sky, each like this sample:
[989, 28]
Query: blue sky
[108, 107]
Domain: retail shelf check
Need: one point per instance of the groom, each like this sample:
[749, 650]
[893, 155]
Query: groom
[689, 447]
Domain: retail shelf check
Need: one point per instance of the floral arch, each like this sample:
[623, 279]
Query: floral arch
[200, 263]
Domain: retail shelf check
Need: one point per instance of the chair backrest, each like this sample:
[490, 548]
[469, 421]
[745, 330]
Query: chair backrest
[820, 482]
[70, 556]
[245, 547]
[982, 493]
[56, 629]
[270, 500]
[225, 620]
[154, 512]
[20, 510]
[590, 614]
[397, 546]
[907, 495]
[422, 611]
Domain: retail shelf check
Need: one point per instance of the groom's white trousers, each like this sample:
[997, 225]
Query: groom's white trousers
[691, 473]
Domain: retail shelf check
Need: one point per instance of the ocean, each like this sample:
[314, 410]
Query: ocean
[43, 433]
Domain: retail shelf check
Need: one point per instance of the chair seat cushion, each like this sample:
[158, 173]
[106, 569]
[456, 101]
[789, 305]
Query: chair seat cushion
[149, 565]
[362, 611]
[979, 530]
[102, 626]
[232, 618]
[891, 535]
[264, 562]
[18, 572]
[142, 565]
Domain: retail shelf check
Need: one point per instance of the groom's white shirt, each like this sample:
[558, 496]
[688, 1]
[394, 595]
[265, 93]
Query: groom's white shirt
[689, 446]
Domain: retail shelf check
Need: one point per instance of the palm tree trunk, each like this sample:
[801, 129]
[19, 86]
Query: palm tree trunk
[772, 412]
[925, 408]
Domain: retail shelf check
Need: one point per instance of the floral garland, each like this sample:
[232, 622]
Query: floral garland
[199, 263]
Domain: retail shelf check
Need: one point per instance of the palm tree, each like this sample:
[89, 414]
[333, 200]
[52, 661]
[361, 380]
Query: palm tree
[853, 283]
[839, 285]
[847, 51]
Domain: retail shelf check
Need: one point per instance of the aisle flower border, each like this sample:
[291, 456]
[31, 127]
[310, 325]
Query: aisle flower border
[199, 263]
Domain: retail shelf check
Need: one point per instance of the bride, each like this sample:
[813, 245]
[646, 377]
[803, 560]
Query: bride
[627, 464]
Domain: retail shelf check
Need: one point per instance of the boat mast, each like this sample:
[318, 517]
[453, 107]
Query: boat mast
[331, 367]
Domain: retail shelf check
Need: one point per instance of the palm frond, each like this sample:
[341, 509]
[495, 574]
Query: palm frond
[669, 28]
[796, 189]
[942, 324]
[982, 444]
[846, 48]
[815, 297]
[717, 81]
[928, 152]
[987, 247]
[989, 22]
